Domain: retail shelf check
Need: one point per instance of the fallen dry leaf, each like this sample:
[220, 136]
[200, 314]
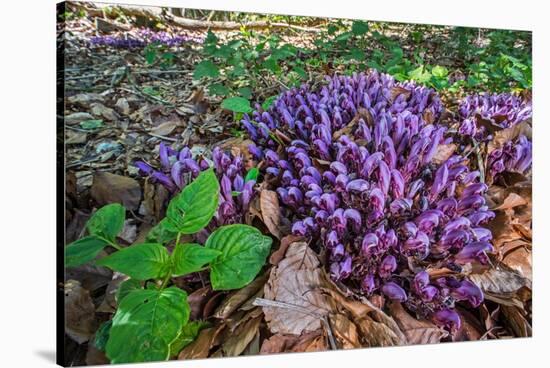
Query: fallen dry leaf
[296, 281]
[165, 128]
[200, 348]
[417, 331]
[239, 297]
[504, 135]
[111, 188]
[77, 118]
[511, 201]
[100, 110]
[517, 322]
[444, 151]
[79, 312]
[122, 106]
[279, 254]
[345, 331]
[499, 281]
[238, 341]
[269, 206]
[310, 341]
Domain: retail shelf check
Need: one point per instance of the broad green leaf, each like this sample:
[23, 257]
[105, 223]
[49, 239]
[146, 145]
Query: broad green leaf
[245, 92]
[192, 209]
[140, 262]
[83, 250]
[218, 89]
[359, 28]
[145, 324]
[189, 258]
[107, 222]
[206, 68]
[91, 124]
[102, 335]
[187, 335]
[268, 102]
[244, 251]
[439, 71]
[237, 104]
[161, 233]
[252, 174]
[125, 287]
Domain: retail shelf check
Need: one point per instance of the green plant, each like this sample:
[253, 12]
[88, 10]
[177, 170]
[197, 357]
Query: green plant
[152, 319]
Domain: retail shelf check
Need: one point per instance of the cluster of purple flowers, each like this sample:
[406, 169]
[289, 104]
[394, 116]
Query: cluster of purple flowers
[177, 169]
[143, 38]
[504, 110]
[384, 213]
[514, 156]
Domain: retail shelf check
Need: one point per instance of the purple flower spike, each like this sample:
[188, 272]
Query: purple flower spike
[394, 292]
[163, 153]
[144, 168]
[448, 319]
[476, 251]
[468, 291]
[388, 265]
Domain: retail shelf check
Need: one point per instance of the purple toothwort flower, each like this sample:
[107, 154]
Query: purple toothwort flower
[374, 198]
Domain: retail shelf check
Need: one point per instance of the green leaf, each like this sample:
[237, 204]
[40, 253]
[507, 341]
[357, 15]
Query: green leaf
[237, 104]
[206, 68]
[187, 335]
[83, 250]
[161, 233]
[218, 89]
[107, 222]
[140, 262]
[125, 287]
[439, 71]
[192, 209]
[102, 335]
[145, 324]
[252, 174]
[359, 28]
[245, 92]
[91, 124]
[150, 55]
[244, 251]
[189, 258]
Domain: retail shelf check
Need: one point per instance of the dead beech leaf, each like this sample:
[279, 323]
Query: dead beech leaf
[238, 341]
[100, 110]
[200, 348]
[77, 118]
[279, 254]
[499, 281]
[79, 312]
[239, 297]
[520, 260]
[111, 188]
[377, 328]
[296, 281]
[75, 137]
[269, 206]
[345, 331]
[122, 106]
[505, 135]
[165, 128]
[517, 322]
[362, 113]
[197, 300]
[444, 151]
[108, 305]
[417, 331]
[511, 201]
[281, 343]
[396, 91]
[85, 99]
